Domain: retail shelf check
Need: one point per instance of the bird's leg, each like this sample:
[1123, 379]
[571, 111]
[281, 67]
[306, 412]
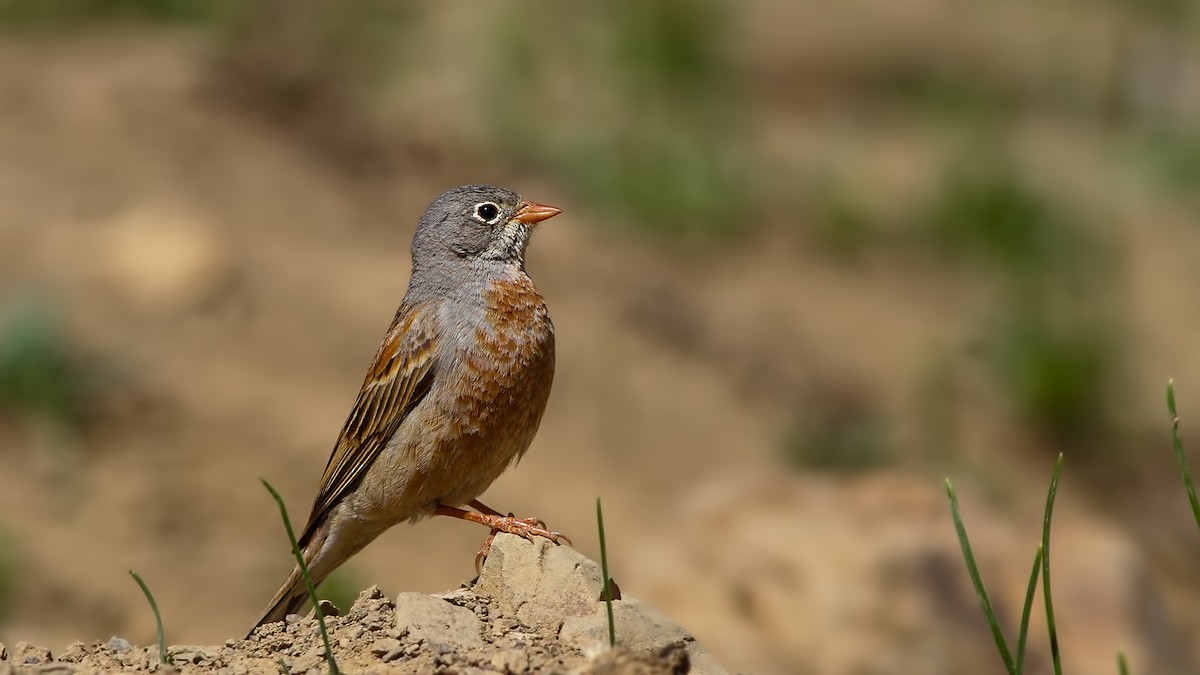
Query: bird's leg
[484, 508]
[487, 543]
[522, 527]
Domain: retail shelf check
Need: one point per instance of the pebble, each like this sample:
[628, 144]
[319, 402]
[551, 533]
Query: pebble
[385, 646]
[505, 624]
[511, 661]
[117, 644]
[192, 655]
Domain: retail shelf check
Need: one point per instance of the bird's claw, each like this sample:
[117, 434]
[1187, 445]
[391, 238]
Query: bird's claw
[528, 528]
[536, 527]
[483, 553]
[533, 522]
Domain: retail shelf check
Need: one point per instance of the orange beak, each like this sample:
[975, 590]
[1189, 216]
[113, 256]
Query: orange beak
[529, 212]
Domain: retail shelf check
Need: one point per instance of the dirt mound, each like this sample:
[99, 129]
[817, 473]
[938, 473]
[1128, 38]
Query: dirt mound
[535, 608]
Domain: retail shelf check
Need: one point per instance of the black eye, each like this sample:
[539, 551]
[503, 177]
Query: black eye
[487, 211]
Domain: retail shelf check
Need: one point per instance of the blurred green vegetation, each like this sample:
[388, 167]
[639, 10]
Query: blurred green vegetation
[984, 210]
[646, 111]
[1059, 370]
[44, 373]
[57, 13]
[320, 69]
[311, 45]
[1166, 12]
[644, 119]
[1174, 158]
[839, 432]
[1051, 330]
[9, 574]
[341, 587]
[945, 90]
[840, 220]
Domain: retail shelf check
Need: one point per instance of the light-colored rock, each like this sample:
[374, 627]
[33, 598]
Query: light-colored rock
[309, 664]
[436, 621]
[638, 628]
[538, 582]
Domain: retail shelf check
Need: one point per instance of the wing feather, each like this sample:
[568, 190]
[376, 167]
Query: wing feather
[397, 380]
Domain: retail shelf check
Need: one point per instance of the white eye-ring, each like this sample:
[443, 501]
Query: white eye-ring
[487, 212]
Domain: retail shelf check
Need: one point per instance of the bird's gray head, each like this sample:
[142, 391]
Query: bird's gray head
[479, 225]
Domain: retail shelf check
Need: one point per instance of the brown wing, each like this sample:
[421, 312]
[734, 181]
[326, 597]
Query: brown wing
[398, 379]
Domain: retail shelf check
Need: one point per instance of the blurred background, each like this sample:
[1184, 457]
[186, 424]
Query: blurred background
[815, 258]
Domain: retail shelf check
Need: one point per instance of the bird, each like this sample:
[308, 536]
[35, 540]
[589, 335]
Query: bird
[454, 396]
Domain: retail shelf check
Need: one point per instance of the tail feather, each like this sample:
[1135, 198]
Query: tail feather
[292, 595]
[323, 551]
[288, 600]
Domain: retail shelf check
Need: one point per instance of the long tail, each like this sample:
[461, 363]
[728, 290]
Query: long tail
[292, 595]
[288, 600]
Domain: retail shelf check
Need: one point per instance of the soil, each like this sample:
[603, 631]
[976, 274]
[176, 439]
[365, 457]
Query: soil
[365, 640]
[535, 608]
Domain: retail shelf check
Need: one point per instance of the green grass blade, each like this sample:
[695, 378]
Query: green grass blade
[1122, 664]
[1046, 566]
[608, 600]
[162, 638]
[312, 591]
[1023, 633]
[977, 581]
[1179, 456]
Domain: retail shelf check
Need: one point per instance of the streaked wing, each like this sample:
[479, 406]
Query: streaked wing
[398, 379]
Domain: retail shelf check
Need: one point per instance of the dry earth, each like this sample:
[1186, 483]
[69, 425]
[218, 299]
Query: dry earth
[534, 609]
